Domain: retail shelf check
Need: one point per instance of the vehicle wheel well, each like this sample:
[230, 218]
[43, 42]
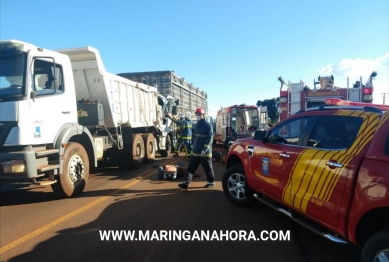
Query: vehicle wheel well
[84, 140]
[233, 160]
[372, 222]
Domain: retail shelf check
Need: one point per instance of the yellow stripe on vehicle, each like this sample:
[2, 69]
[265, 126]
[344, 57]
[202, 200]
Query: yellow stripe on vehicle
[313, 171]
[311, 177]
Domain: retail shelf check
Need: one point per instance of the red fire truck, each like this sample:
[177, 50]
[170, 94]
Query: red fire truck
[297, 96]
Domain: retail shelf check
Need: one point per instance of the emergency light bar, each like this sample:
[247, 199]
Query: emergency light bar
[340, 102]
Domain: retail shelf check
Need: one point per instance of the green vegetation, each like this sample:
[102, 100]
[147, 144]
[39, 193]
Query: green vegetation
[272, 108]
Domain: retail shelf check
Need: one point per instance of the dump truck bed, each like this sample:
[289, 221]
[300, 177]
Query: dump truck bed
[126, 102]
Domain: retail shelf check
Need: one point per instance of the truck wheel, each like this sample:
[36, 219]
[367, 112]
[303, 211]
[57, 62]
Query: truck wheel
[377, 247]
[148, 140]
[138, 151]
[235, 187]
[168, 146]
[75, 173]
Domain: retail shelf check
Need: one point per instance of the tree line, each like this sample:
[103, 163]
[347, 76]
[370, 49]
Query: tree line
[272, 108]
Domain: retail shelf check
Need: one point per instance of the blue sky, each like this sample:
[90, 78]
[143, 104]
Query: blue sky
[233, 50]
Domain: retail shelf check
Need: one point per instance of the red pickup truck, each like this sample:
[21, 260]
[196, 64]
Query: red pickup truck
[326, 168]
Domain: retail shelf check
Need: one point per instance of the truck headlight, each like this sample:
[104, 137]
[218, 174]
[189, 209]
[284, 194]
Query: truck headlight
[13, 166]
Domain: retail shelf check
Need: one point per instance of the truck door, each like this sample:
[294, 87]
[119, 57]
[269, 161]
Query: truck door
[222, 125]
[51, 108]
[273, 160]
[331, 156]
[263, 118]
[218, 126]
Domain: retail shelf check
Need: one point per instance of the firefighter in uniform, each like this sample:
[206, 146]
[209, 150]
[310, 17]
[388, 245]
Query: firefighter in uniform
[202, 151]
[184, 128]
[186, 134]
[177, 146]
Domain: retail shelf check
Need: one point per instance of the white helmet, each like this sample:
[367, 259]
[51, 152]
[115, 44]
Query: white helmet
[188, 114]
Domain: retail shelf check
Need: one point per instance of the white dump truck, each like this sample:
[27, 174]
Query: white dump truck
[61, 113]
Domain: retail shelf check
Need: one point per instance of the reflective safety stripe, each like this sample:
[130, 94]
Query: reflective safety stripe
[186, 137]
[198, 135]
[206, 146]
[209, 155]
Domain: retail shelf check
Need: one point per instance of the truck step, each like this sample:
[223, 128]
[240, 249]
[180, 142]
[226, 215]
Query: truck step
[46, 152]
[43, 183]
[45, 168]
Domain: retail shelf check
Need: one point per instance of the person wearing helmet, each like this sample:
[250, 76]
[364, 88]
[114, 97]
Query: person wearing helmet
[184, 128]
[201, 151]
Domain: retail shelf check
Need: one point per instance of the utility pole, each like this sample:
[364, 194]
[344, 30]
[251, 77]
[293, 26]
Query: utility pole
[383, 98]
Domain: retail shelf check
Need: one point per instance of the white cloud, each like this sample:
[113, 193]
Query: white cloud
[354, 69]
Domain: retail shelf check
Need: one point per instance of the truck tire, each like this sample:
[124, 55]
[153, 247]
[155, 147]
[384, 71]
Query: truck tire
[138, 151]
[150, 150]
[235, 187]
[168, 147]
[376, 247]
[75, 173]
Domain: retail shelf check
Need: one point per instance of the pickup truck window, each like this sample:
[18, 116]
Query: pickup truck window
[289, 132]
[386, 148]
[335, 132]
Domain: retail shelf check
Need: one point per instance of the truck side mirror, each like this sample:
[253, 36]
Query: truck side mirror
[177, 102]
[33, 95]
[259, 135]
[174, 110]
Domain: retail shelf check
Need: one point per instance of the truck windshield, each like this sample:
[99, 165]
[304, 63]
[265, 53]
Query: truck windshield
[12, 75]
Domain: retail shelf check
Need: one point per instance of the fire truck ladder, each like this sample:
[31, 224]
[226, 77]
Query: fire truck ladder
[294, 99]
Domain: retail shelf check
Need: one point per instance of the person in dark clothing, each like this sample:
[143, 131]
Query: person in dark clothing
[201, 151]
[185, 127]
[358, 85]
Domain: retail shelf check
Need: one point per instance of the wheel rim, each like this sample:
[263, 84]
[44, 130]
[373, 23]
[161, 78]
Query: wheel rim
[236, 184]
[139, 151]
[76, 168]
[151, 148]
[382, 256]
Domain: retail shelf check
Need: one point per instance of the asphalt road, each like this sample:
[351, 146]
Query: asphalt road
[38, 226]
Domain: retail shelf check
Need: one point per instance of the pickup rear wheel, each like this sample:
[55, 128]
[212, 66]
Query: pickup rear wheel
[75, 172]
[235, 187]
[376, 248]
